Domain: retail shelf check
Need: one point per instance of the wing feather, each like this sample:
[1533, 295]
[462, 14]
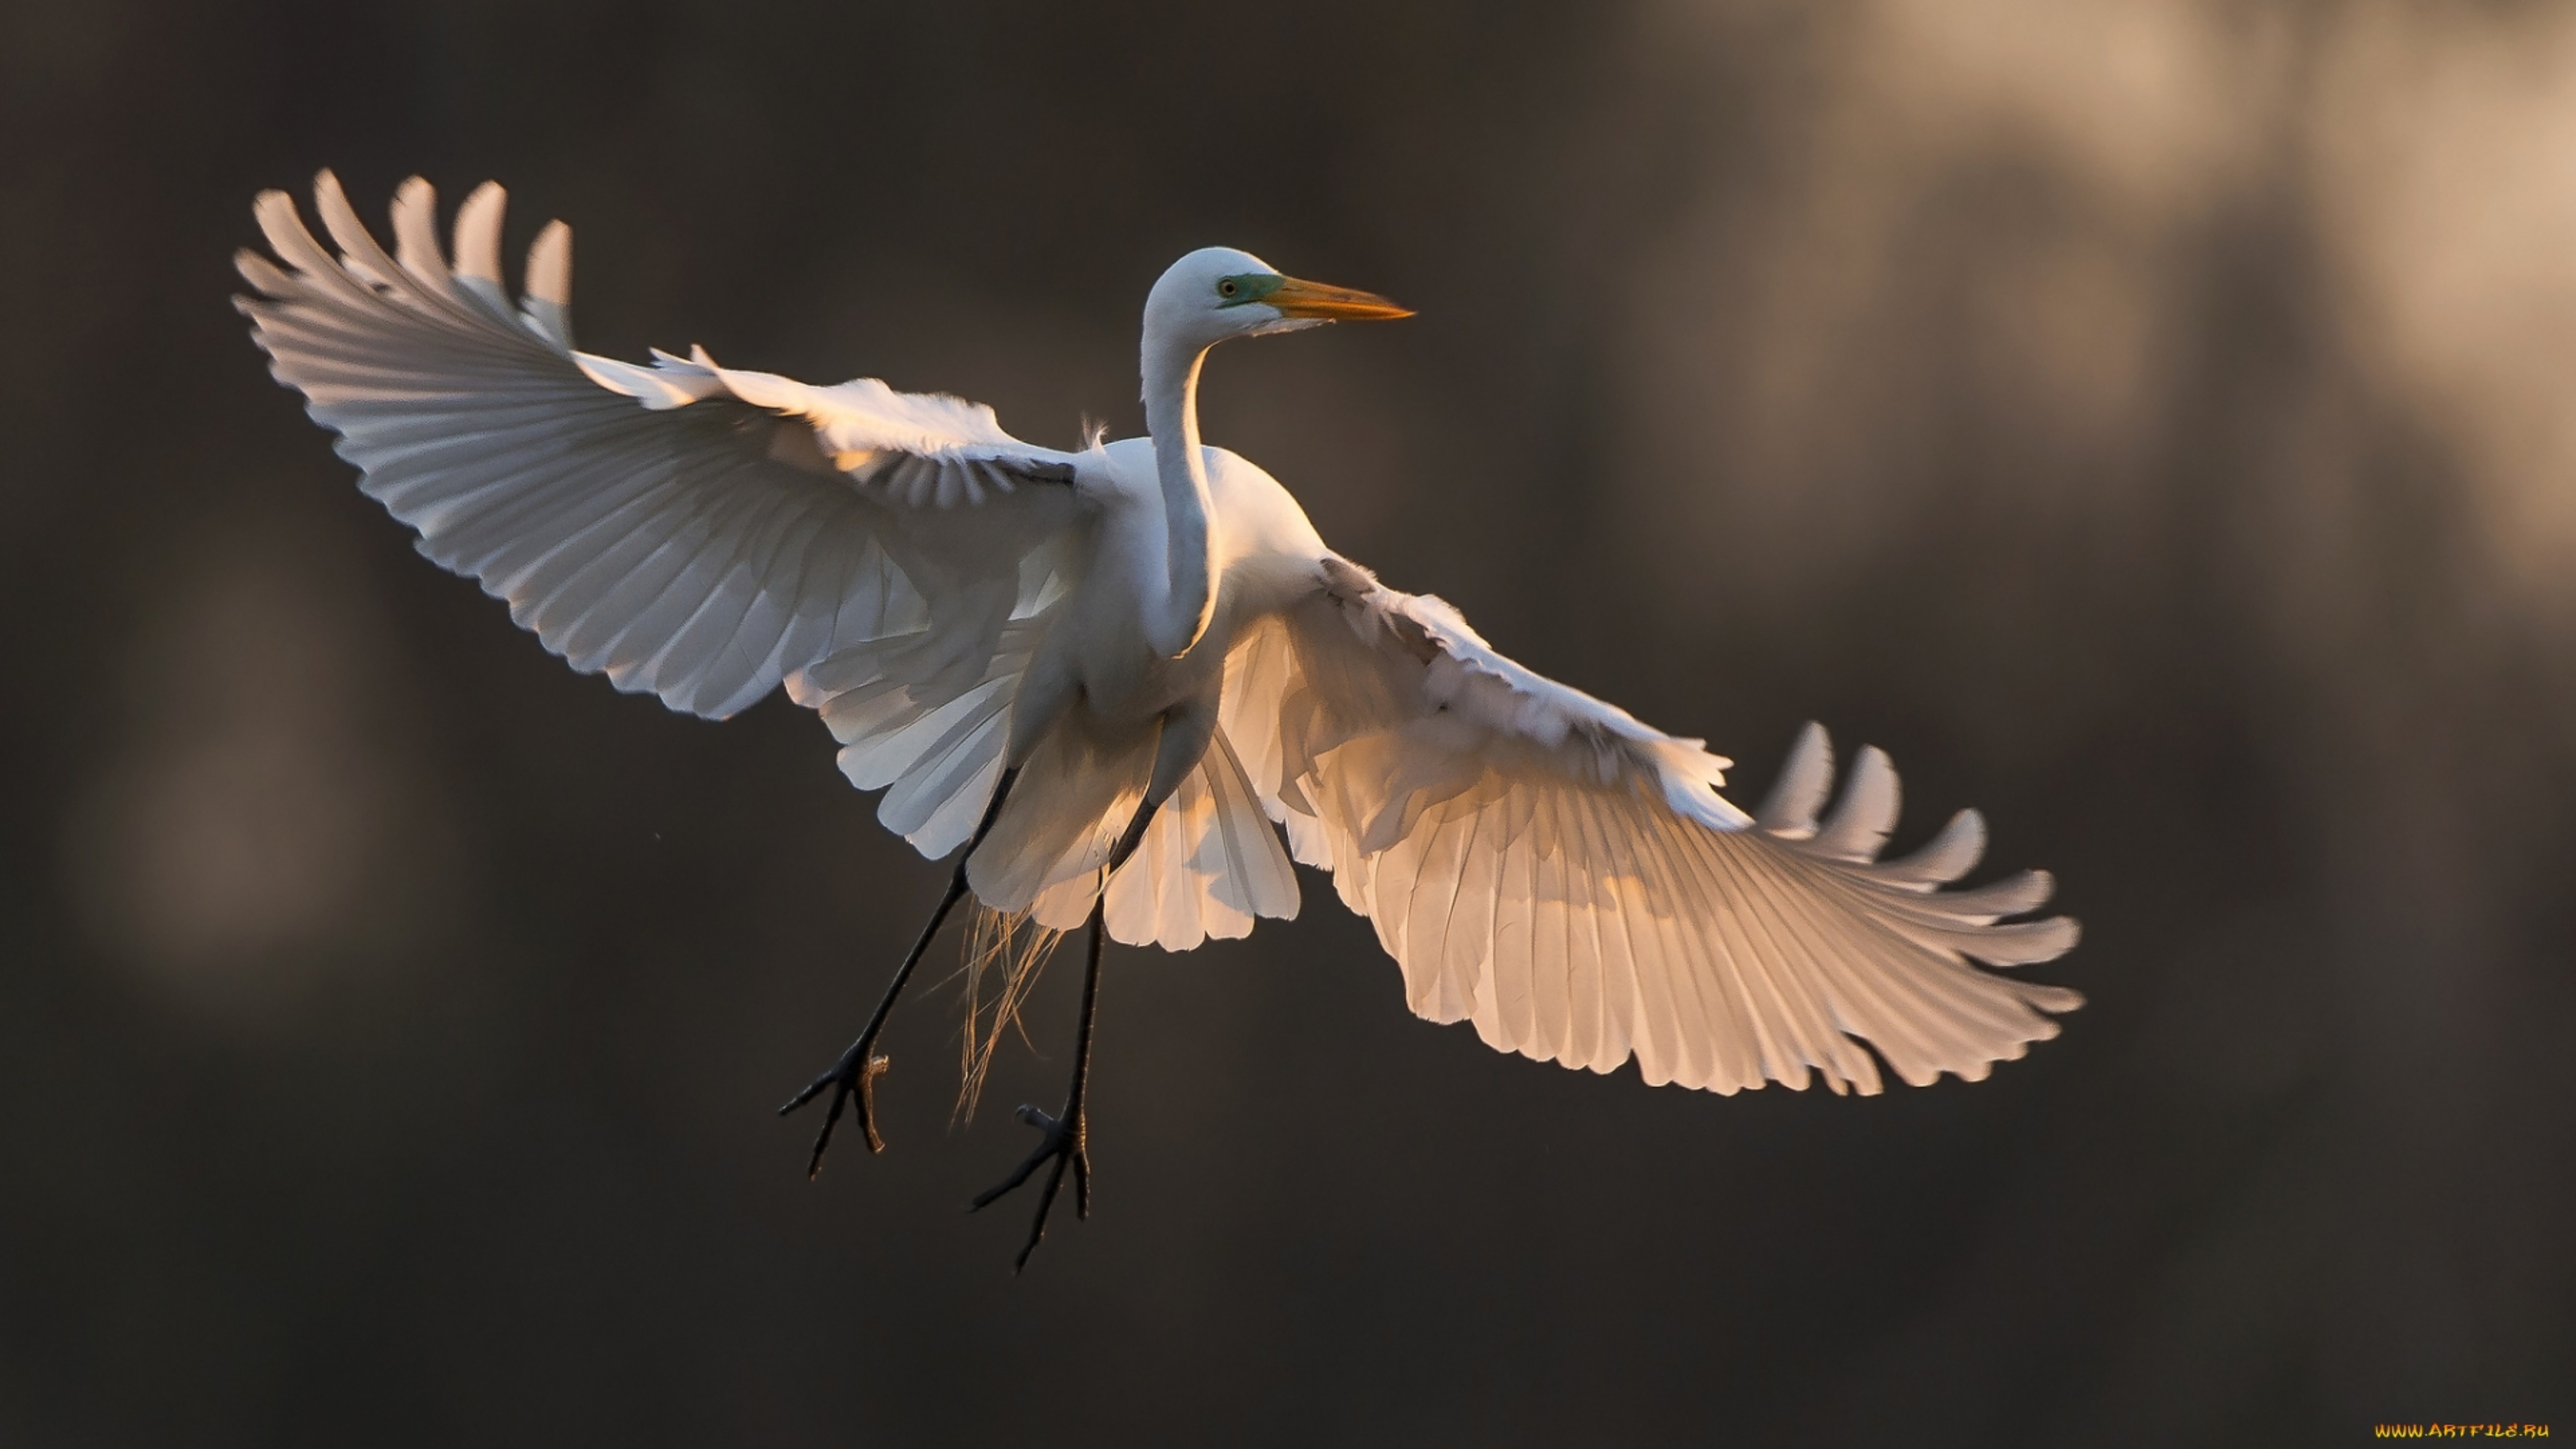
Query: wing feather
[653, 523]
[1571, 881]
[693, 532]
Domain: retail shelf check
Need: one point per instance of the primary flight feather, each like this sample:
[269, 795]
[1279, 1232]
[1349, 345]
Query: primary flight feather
[1117, 672]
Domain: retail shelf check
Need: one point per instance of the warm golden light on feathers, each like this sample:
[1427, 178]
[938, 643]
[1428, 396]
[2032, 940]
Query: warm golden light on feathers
[1149, 620]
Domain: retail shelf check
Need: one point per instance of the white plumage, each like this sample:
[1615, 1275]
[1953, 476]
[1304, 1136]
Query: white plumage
[1149, 619]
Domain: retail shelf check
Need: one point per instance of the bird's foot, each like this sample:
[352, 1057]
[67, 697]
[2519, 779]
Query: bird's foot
[1059, 1140]
[854, 1075]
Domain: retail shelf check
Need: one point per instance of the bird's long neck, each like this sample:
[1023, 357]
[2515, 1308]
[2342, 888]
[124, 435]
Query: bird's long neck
[1172, 415]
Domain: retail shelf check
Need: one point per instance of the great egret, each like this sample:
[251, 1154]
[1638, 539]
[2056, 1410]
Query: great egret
[1138, 654]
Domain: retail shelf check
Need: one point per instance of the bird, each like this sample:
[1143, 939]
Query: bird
[1127, 684]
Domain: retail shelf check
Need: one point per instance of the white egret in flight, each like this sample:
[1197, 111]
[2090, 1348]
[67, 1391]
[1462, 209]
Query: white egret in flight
[1115, 674]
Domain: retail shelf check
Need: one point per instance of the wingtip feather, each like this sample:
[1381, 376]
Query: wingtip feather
[261, 273]
[546, 303]
[549, 276]
[2026, 943]
[283, 225]
[415, 221]
[1944, 858]
[1871, 799]
[478, 233]
[1805, 777]
[339, 218]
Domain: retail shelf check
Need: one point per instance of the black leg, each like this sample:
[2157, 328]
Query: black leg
[855, 1074]
[1061, 1139]
[1065, 1138]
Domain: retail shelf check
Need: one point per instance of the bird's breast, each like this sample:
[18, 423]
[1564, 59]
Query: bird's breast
[1261, 549]
[1100, 644]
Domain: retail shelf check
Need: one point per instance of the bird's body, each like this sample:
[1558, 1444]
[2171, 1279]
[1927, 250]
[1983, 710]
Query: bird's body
[1118, 673]
[1263, 553]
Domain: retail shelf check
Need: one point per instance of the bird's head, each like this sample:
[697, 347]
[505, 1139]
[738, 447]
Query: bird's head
[1217, 292]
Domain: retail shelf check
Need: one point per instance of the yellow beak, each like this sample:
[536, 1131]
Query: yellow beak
[1296, 298]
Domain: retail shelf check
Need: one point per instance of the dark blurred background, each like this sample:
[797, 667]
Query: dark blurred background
[2148, 420]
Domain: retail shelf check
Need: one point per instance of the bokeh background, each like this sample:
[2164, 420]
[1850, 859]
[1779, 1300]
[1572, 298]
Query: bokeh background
[2150, 420]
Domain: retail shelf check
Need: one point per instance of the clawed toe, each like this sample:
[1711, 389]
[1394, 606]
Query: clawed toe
[1053, 1142]
[854, 1075]
[1060, 1141]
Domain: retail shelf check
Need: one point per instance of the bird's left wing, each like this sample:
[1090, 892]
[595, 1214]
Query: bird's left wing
[695, 532]
[1569, 879]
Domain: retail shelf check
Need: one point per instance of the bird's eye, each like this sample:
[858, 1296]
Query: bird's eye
[1227, 288]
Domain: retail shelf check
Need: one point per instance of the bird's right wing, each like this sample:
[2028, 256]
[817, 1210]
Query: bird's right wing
[1569, 879]
[694, 532]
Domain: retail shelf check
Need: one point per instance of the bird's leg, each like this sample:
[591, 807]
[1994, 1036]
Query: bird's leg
[855, 1074]
[1064, 1138]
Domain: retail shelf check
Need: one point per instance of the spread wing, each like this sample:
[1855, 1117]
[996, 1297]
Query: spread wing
[694, 532]
[1544, 865]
